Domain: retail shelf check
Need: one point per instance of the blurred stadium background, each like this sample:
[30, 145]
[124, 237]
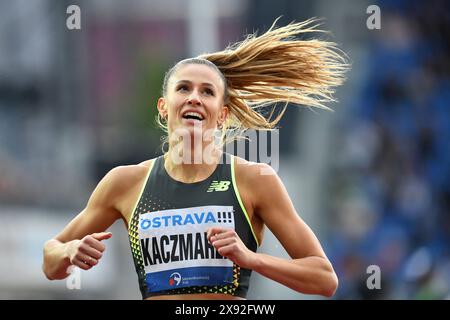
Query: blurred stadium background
[372, 179]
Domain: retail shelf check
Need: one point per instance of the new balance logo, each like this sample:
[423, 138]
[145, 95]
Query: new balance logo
[218, 186]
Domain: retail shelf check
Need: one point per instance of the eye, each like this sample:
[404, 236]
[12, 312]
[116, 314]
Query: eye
[182, 87]
[209, 91]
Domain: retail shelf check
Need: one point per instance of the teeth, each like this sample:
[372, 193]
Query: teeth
[194, 114]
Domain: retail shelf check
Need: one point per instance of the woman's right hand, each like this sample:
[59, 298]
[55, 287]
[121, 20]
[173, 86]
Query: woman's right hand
[86, 253]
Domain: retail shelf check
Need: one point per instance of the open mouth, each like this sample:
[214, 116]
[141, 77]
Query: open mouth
[193, 115]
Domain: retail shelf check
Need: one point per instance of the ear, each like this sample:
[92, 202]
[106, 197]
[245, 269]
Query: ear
[223, 114]
[162, 107]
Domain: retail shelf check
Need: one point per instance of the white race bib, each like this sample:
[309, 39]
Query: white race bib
[176, 252]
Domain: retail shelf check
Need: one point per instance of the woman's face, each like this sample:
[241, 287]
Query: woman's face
[194, 99]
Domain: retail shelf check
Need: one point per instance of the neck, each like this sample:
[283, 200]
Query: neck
[191, 164]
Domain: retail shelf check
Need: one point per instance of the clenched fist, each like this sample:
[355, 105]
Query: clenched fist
[86, 253]
[229, 245]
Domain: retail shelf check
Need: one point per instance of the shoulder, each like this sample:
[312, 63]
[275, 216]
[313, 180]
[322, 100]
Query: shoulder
[129, 173]
[120, 179]
[269, 197]
[253, 171]
[258, 180]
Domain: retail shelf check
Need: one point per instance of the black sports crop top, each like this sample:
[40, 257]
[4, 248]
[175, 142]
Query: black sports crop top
[167, 233]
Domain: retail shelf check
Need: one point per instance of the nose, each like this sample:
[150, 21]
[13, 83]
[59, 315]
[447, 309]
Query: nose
[194, 99]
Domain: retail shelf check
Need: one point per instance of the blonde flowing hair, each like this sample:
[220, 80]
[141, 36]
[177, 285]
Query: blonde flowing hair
[274, 67]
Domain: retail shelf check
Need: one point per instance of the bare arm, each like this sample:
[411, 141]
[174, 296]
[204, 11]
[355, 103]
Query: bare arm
[79, 243]
[309, 271]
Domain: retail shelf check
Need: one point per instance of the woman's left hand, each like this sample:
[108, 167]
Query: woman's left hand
[229, 245]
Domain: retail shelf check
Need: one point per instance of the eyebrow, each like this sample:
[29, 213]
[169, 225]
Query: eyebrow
[203, 83]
